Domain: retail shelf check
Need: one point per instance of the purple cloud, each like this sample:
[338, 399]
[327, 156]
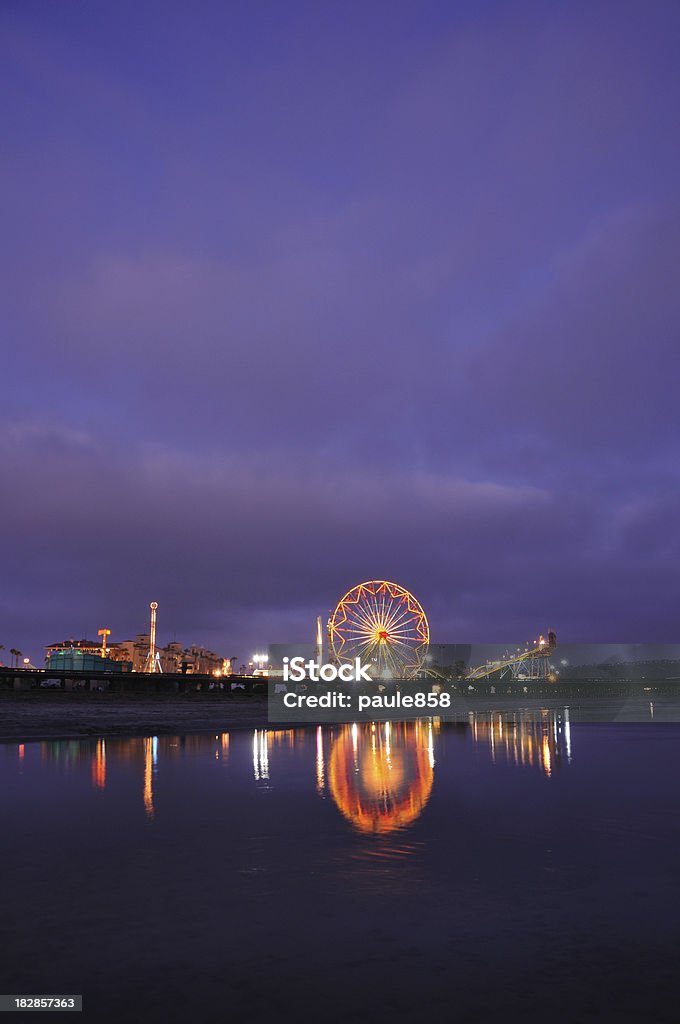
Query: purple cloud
[301, 299]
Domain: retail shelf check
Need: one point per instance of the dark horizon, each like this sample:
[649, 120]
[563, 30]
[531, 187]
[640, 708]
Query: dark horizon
[300, 296]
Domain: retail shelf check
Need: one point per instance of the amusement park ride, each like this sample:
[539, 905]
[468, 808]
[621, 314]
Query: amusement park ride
[385, 626]
[153, 658]
[382, 623]
[533, 662]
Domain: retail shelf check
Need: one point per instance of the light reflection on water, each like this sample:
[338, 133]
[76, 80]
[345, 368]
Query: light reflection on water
[541, 741]
[392, 865]
[378, 775]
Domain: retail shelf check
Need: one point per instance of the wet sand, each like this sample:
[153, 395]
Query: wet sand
[65, 715]
[39, 715]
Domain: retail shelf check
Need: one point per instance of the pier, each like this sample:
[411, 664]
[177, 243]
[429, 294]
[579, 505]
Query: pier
[94, 681]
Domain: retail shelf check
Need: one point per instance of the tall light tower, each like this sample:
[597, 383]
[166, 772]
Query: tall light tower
[153, 659]
[319, 641]
[104, 633]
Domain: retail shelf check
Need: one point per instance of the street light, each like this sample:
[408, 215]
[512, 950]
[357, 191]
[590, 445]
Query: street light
[260, 660]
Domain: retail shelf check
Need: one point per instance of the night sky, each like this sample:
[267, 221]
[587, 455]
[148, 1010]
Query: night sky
[300, 294]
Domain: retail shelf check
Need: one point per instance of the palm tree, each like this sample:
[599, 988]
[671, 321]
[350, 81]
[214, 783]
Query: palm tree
[15, 654]
[18, 655]
[2, 647]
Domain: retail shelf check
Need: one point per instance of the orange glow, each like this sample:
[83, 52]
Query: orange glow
[523, 742]
[148, 778]
[381, 778]
[320, 764]
[380, 622]
[547, 759]
[99, 766]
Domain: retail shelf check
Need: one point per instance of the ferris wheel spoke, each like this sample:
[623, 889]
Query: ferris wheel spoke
[404, 630]
[403, 634]
[406, 633]
[368, 651]
[395, 620]
[380, 621]
[359, 629]
[401, 614]
[367, 616]
[404, 646]
[394, 611]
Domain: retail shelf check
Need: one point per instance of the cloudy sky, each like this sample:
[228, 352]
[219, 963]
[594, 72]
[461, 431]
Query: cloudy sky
[296, 295]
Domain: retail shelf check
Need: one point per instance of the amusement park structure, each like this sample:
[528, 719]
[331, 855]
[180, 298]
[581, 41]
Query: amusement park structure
[383, 624]
[153, 658]
[532, 662]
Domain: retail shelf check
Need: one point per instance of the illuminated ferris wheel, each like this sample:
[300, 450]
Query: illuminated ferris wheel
[382, 624]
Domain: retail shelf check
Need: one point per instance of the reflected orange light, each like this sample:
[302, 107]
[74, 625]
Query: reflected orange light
[524, 742]
[99, 766]
[148, 778]
[381, 778]
[547, 761]
[320, 766]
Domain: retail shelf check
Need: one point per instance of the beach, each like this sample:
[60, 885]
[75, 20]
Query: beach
[37, 715]
[58, 714]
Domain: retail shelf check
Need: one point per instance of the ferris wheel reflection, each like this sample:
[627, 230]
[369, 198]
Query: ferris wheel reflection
[380, 775]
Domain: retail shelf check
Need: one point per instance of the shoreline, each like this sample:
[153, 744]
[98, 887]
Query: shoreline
[29, 716]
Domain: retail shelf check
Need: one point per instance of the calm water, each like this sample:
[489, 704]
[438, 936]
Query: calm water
[526, 870]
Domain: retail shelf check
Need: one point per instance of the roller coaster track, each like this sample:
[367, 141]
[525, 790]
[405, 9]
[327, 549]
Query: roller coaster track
[531, 663]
